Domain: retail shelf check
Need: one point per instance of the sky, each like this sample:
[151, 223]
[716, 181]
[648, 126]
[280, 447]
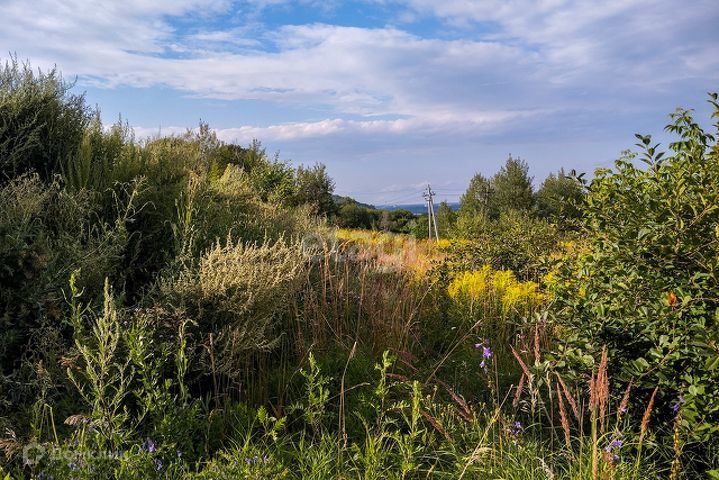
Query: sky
[390, 94]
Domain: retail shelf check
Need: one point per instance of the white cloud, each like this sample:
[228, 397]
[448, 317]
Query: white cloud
[582, 38]
[557, 58]
[437, 124]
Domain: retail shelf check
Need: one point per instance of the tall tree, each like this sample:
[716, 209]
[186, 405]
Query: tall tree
[511, 188]
[315, 187]
[476, 200]
[446, 217]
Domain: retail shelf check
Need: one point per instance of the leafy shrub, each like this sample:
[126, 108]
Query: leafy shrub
[559, 198]
[645, 284]
[46, 233]
[515, 241]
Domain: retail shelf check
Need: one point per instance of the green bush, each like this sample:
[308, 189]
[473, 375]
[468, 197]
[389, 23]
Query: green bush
[515, 241]
[46, 233]
[41, 122]
[646, 281]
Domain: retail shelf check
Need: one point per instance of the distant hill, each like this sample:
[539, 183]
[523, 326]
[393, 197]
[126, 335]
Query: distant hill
[417, 208]
[340, 200]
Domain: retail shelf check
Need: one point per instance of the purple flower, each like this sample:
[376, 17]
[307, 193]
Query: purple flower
[486, 352]
[158, 464]
[678, 404]
[149, 445]
[73, 466]
[615, 443]
[516, 429]
[483, 342]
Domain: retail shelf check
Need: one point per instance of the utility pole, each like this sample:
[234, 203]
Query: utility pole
[428, 195]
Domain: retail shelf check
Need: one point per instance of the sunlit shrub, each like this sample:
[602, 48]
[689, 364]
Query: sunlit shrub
[234, 291]
[42, 123]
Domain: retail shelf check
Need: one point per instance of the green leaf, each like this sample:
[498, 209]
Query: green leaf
[712, 363]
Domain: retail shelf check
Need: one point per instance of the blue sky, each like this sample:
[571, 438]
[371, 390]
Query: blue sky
[389, 94]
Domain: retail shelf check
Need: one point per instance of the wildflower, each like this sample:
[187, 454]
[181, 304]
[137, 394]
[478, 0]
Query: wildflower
[158, 464]
[72, 466]
[178, 453]
[486, 352]
[149, 445]
[515, 431]
[678, 404]
[615, 444]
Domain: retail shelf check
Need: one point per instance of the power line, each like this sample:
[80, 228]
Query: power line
[403, 198]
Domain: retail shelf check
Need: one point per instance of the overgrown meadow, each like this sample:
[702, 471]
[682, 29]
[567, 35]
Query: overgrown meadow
[186, 308]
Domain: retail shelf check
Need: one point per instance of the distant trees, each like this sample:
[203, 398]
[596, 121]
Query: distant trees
[353, 215]
[446, 217]
[510, 189]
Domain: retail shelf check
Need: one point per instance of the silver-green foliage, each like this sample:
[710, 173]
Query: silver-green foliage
[235, 291]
